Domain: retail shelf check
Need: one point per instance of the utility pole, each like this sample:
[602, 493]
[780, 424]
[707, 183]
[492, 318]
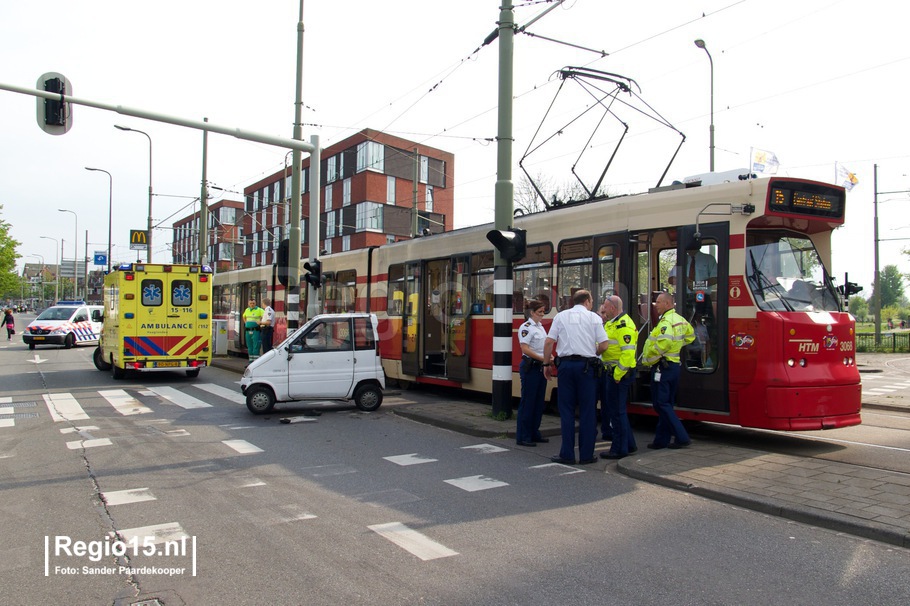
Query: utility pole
[203, 201]
[503, 213]
[414, 194]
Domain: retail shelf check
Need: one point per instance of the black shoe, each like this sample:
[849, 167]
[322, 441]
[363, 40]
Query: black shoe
[631, 450]
[526, 443]
[654, 446]
[611, 455]
[586, 461]
[542, 440]
[559, 459]
[678, 445]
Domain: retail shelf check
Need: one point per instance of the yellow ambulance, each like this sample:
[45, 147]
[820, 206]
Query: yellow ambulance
[156, 317]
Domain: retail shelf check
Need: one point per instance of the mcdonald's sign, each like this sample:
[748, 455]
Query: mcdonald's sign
[139, 239]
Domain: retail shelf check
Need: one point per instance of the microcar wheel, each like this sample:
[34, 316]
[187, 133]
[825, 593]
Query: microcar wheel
[368, 397]
[69, 341]
[260, 400]
[98, 359]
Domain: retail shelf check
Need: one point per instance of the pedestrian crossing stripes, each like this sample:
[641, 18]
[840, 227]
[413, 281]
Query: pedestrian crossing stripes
[180, 398]
[412, 541]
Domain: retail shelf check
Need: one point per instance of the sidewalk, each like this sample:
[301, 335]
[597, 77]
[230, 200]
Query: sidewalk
[866, 502]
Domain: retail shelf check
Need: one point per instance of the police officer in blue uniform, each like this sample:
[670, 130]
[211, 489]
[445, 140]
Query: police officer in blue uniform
[579, 338]
[531, 338]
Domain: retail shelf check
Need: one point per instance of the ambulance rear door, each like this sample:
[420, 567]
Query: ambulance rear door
[169, 326]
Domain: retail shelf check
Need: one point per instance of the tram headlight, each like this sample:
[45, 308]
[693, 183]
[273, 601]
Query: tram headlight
[791, 362]
[802, 362]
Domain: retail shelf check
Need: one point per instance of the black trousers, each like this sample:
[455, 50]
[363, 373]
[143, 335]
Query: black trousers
[265, 333]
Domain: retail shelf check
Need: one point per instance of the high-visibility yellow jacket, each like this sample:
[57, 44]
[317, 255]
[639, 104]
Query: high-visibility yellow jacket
[252, 316]
[622, 340]
[670, 335]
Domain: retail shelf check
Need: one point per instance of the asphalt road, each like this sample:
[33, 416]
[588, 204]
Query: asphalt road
[360, 508]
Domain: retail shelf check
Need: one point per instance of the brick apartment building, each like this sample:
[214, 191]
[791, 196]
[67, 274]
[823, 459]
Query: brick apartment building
[225, 238]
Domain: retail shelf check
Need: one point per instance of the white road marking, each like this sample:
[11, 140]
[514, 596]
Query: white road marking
[125, 497]
[7, 422]
[476, 483]
[242, 446]
[123, 402]
[88, 443]
[159, 533]
[64, 407]
[485, 448]
[6, 410]
[179, 398]
[409, 459]
[6, 400]
[570, 472]
[80, 429]
[177, 433]
[412, 541]
[223, 392]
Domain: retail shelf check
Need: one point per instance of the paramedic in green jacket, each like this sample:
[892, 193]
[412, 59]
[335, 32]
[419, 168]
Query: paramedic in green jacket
[252, 316]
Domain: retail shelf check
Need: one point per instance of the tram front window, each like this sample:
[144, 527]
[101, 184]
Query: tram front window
[785, 273]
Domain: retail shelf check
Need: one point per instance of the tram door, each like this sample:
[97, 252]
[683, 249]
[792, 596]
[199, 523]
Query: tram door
[411, 320]
[445, 318]
[702, 269]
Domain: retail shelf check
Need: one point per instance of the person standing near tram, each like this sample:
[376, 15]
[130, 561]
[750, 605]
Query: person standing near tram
[531, 338]
[661, 353]
[267, 325]
[252, 316]
[579, 338]
[619, 373]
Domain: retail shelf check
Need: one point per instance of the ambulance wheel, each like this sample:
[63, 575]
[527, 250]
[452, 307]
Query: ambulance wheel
[98, 359]
[260, 400]
[119, 373]
[368, 397]
[69, 341]
[192, 373]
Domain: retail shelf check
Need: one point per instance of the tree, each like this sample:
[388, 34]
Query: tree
[9, 280]
[858, 307]
[892, 286]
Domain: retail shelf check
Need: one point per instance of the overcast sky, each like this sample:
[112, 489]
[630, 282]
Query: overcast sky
[816, 82]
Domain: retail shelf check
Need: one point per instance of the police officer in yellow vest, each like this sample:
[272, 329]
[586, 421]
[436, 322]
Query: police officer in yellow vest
[252, 316]
[661, 353]
[619, 366]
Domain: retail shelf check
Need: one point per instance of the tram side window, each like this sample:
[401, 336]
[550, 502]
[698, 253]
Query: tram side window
[698, 269]
[533, 278]
[341, 292]
[482, 282]
[395, 298]
[574, 271]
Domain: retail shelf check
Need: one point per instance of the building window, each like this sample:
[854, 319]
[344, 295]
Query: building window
[429, 199]
[276, 191]
[275, 214]
[369, 216]
[346, 243]
[346, 192]
[331, 169]
[424, 169]
[370, 156]
[265, 195]
[327, 246]
[287, 188]
[390, 189]
[330, 225]
[328, 198]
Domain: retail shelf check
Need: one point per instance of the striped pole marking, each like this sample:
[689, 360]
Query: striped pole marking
[502, 334]
[412, 541]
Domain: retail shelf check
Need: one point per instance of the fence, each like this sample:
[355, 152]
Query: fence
[892, 342]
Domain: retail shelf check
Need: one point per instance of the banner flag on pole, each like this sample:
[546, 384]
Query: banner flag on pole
[764, 161]
[845, 178]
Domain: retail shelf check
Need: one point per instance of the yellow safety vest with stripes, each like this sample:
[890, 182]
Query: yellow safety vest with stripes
[670, 335]
[622, 340]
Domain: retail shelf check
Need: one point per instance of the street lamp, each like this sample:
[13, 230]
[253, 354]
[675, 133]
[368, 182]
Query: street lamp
[149, 236]
[75, 254]
[701, 44]
[56, 272]
[110, 210]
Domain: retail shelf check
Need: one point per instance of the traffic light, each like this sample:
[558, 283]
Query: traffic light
[849, 288]
[284, 253]
[314, 275]
[55, 116]
[511, 243]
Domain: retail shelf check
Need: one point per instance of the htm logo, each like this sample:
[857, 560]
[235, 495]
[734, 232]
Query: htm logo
[808, 347]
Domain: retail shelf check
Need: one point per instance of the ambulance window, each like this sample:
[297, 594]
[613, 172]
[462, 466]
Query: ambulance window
[152, 293]
[181, 293]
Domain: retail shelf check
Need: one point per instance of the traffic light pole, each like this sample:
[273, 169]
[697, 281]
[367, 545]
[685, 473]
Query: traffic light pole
[504, 206]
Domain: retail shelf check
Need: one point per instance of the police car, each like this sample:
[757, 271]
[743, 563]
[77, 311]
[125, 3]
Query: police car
[67, 323]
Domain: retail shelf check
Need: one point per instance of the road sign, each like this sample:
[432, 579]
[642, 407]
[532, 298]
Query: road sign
[100, 258]
[139, 239]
